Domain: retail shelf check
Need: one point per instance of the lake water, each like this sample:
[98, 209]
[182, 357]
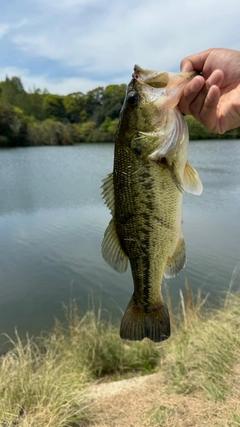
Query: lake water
[52, 220]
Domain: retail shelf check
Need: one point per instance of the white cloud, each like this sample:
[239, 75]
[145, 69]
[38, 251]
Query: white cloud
[103, 40]
[61, 86]
[3, 30]
[66, 4]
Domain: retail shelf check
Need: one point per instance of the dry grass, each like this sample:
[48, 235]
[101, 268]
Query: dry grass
[197, 379]
[198, 382]
[203, 353]
[46, 376]
[40, 384]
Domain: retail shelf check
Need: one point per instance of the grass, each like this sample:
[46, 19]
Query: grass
[205, 351]
[203, 356]
[159, 415]
[43, 381]
[40, 384]
[46, 376]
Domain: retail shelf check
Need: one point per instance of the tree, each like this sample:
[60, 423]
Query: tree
[74, 104]
[94, 100]
[13, 126]
[53, 107]
[112, 103]
[10, 89]
[7, 120]
[36, 102]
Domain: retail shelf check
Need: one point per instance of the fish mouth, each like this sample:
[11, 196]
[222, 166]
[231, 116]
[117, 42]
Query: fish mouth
[160, 79]
[157, 84]
[152, 78]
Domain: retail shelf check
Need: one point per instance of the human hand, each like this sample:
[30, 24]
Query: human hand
[213, 97]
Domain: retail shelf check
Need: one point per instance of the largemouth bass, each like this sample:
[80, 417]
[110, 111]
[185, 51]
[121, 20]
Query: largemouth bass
[144, 194]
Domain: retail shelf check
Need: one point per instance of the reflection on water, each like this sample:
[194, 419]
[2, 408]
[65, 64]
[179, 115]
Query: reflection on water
[52, 220]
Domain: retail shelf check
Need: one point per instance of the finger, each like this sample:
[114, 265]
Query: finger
[186, 65]
[196, 105]
[208, 115]
[203, 107]
[216, 78]
[190, 93]
[194, 62]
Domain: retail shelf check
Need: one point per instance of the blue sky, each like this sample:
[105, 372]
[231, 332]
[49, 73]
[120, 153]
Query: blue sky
[78, 45]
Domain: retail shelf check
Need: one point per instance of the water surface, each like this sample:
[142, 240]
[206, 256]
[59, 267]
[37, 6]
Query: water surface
[52, 220]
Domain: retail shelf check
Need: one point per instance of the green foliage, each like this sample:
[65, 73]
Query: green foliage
[94, 100]
[40, 118]
[85, 131]
[51, 132]
[10, 90]
[109, 129]
[53, 107]
[90, 132]
[112, 102]
[34, 105]
[74, 105]
[7, 118]
[13, 126]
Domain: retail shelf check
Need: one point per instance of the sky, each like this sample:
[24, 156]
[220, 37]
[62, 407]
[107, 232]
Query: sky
[78, 45]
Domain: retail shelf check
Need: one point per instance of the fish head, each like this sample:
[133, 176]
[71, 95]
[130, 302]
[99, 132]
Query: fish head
[164, 87]
[150, 115]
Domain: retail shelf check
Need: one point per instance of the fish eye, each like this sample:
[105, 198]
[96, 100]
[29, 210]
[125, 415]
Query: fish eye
[133, 98]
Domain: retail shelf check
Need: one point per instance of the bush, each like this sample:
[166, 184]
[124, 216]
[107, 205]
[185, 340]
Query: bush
[51, 132]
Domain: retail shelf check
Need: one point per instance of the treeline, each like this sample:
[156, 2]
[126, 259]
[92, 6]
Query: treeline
[39, 118]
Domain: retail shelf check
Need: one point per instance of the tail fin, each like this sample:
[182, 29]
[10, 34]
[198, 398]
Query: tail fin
[138, 324]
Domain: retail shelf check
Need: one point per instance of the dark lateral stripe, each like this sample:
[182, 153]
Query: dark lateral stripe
[126, 217]
[147, 185]
[146, 283]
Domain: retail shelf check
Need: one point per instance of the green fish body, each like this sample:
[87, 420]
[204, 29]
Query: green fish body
[144, 194]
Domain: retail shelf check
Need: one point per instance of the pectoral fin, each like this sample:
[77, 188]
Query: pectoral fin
[177, 262]
[174, 174]
[108, 192]
[191, 181]
[112, 251]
